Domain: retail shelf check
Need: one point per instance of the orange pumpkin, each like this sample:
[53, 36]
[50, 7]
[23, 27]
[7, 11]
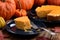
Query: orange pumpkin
[7, 8]
[54, 2]
[25, 4]
[20, 13]
[39, 2]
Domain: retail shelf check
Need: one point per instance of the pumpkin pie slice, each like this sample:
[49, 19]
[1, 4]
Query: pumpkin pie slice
[23, 23]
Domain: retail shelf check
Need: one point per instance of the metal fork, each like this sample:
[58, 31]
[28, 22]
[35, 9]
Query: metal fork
[35, 27]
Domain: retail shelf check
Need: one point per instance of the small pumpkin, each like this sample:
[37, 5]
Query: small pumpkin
[7, 8]
[54, 2]
[2, 22]
[19, 13]
[39, 2]
[25, 4]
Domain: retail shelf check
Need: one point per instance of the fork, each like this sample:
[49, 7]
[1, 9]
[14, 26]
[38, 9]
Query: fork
[35, 27]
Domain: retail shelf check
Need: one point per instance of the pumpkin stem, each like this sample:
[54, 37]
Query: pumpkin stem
[3, 0]
[19, 4]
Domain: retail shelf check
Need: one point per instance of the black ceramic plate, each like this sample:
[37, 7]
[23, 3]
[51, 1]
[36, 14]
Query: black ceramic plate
[32, 17]
[12, 29]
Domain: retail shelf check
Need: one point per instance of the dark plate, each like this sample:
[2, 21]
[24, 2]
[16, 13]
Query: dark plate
[14, 30]
[36, 20]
